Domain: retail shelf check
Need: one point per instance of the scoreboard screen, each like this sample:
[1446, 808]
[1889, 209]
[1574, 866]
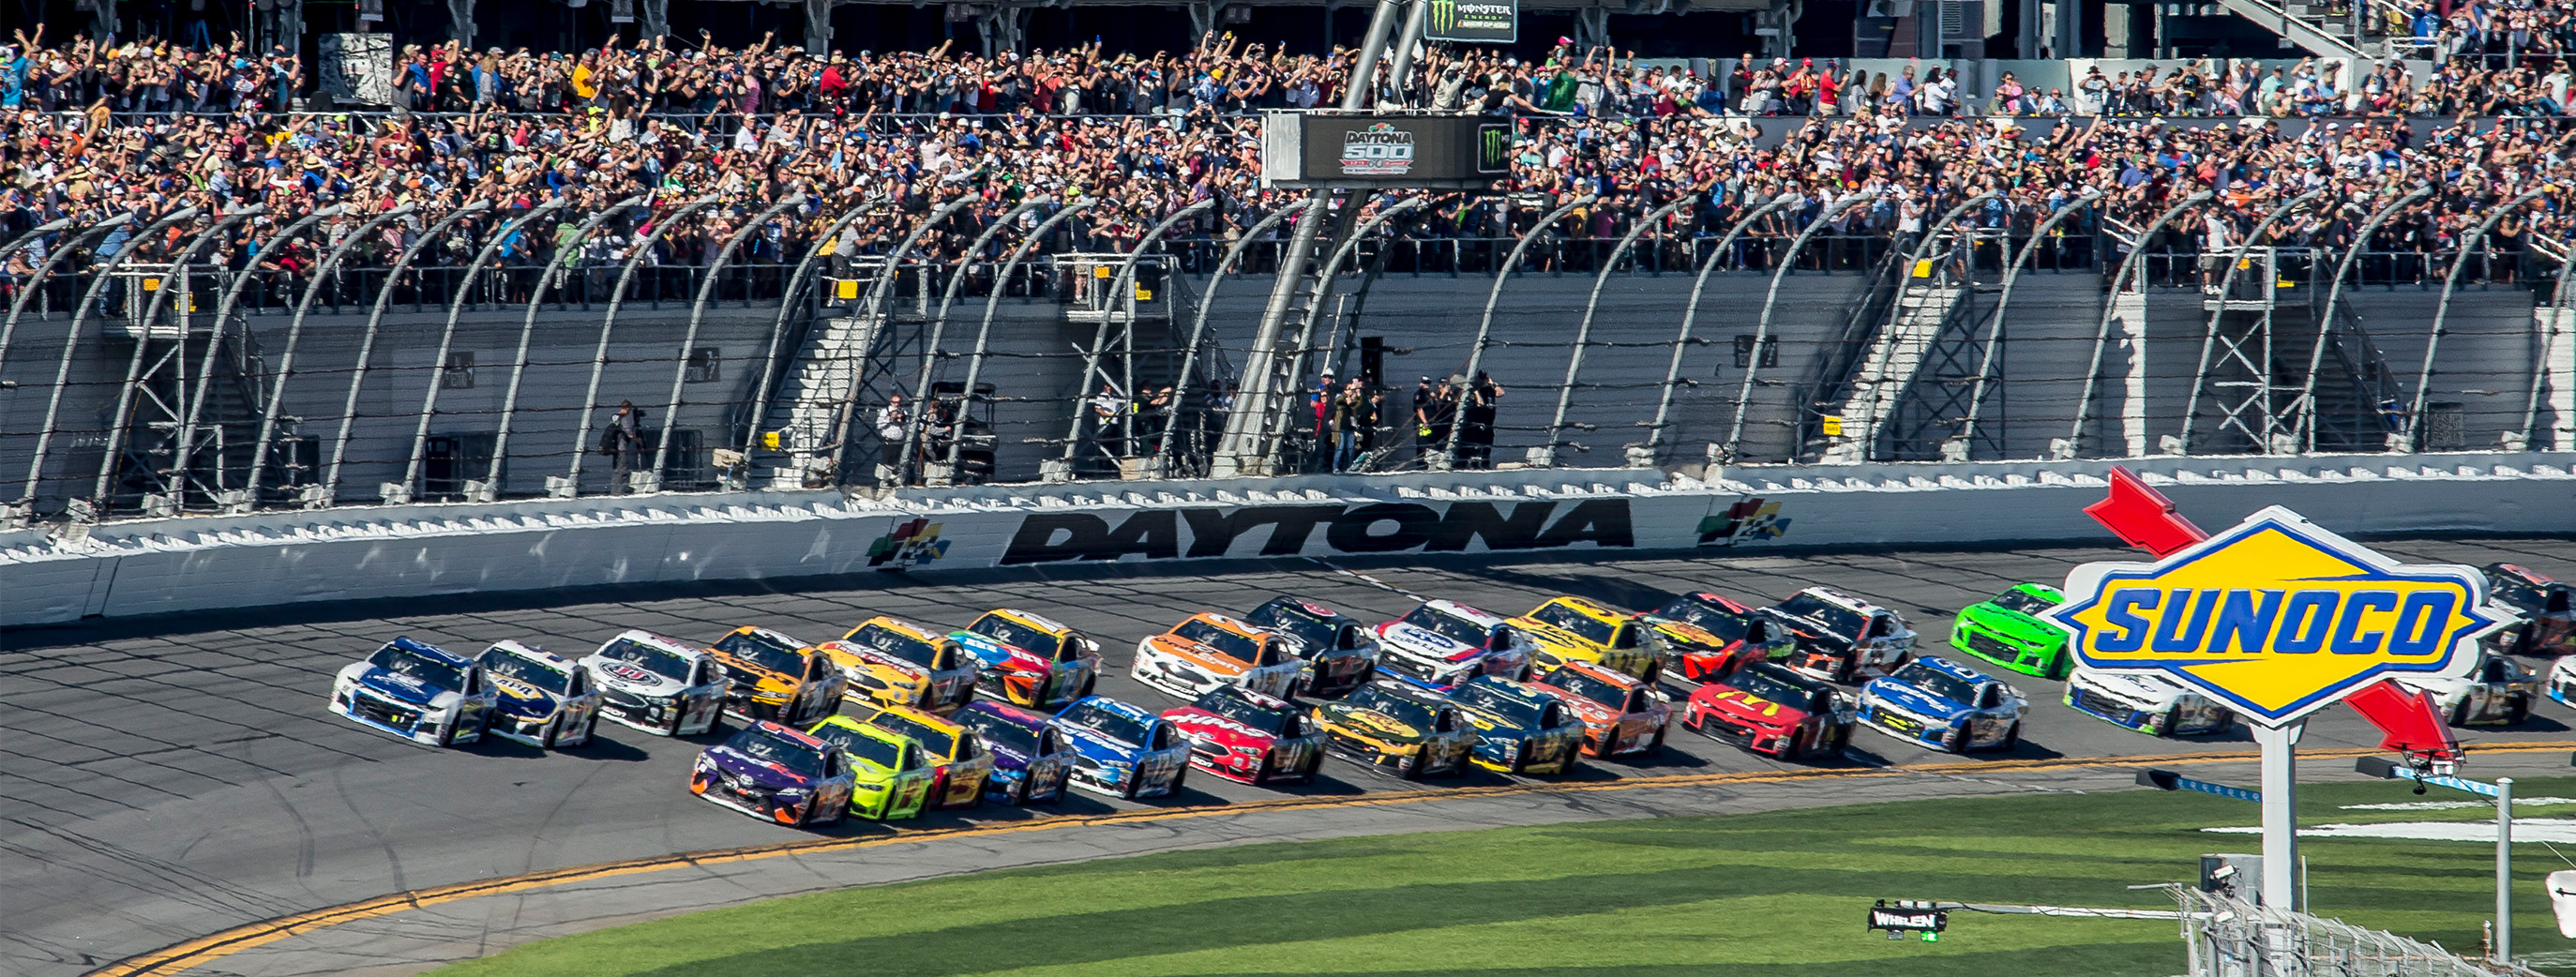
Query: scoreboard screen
[1384, 150]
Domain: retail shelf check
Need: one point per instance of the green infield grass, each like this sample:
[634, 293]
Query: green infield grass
[1758, 895]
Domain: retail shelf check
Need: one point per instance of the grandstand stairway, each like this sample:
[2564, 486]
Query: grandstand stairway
[1888, 364]
[150, 474]
[2255, 390]
[815, 400]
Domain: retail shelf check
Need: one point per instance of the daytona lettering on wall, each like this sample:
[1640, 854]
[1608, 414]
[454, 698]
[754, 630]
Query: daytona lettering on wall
[1378, 527]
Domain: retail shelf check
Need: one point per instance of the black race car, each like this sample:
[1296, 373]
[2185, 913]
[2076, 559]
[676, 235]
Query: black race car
[1339, 652]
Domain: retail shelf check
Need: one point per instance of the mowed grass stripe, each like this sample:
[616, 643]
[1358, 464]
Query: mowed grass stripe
[1769, 894]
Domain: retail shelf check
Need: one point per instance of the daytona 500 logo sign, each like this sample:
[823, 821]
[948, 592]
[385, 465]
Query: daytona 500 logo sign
[1288, 530]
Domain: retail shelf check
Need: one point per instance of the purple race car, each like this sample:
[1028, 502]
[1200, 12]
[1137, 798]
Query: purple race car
[1031, 762]
[770, 771]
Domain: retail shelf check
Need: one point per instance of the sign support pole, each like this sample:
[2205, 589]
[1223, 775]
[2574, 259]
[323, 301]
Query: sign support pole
[2504, 871]
[2281, 814]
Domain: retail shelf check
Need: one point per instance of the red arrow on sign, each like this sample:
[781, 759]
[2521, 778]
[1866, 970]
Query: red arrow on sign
[2408, 722]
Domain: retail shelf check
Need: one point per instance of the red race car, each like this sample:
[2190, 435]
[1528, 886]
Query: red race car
[1247, 736]
[1773, 711]
[1708, 636]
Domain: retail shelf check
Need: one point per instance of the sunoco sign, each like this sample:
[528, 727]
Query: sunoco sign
[1288, 530]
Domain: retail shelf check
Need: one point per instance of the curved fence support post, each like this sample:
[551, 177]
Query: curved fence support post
[607, 323]
[1591, 306]
[1325, 279]
[294, 334]
[1121, 296]
[1770, 300]
[28, 291]
[787, 302]
[2307, 403]
[993, 303]
[528, 333]
[689, 337]
[912, 431]
[2226, 284]
[2110, 309]
[367, 343]
[447, 338]
[879, 303]
[71, 340]
[1198, 327]
[1690, 314]
[1485, 325]
[2413, 440]
[2003, 300]
[176, 282]
[2562, 309]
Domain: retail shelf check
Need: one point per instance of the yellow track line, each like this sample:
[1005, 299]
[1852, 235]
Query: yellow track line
[206, 949]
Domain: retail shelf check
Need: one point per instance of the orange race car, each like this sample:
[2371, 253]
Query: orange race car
[1210, 650]
[1620, 714]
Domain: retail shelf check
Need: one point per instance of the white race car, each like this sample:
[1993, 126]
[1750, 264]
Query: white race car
[2151, 704]
[418, 691]
[2498, 693]
[1209, 651]
[1446, 643]
[547, 701]
[663, 686]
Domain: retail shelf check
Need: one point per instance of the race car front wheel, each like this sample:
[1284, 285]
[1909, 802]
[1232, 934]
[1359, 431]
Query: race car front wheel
[2012, 737]
[1655, 746]
[1261, 774]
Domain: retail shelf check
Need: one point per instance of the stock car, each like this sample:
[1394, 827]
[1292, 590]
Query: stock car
[1415, 730]
[1122, 750]
[1842, 638]
[2008, 631]
[1568, 629]
[1030, 761]
[1709, 636]
[960, 766]
[2548, 622]
[773, 676]
[898, 663]
[1444, 643]
[663, 686]
[1243, 735]
[1769, 709]
[2499, 692]
[1339, 652]
[2146, 702]
[1211, 650]
[773, 772]
[891, 779]
[418, 691]
[1520, 728]
[1620, 713]
[546, 701]
[1027, 660]
[1944, 705]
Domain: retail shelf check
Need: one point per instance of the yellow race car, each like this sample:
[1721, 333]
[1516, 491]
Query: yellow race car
[773, 676]
[960, 762]
[1573, 629]
[893, 662]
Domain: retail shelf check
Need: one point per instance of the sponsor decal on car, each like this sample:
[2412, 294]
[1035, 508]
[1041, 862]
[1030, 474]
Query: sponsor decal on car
[628, 671]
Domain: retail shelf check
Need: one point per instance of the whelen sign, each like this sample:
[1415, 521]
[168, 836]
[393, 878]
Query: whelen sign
[1366, 150]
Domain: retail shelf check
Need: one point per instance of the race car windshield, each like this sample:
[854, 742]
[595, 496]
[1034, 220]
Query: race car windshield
[1755, 683]
[2522, 596]
[1456, 629]
[1513, 709]
[861, 745]
[1938, 683]
[788, 755]
[659, 661]
[1106, 723]
[1590, 628]
[1015, 634]
[1841, 620]
[1712, 618]
[2021, 600]
[1301, 627]
[932, 740]
[1001, 732]
[429, 671]
[1404, 710]
[1225, 642]
[1589, 688]
[896, 643]
[545, 677]
[1241, 712]
[764, 650]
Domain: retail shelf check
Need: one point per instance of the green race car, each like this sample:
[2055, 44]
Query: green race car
[2009, 632]
[894, 776]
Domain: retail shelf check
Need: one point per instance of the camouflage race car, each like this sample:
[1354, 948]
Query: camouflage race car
[546, 700]
[1709, 636]
[2009, 632]
[773, 676]
[1842, 638]
[1520, 728]
[1031, 763]
[1620, 714]
[1771, 710]
[1340, 653]
[1029, 661]
[890, 777]
[1573, 629]
[898, 663]
[1414, 731]
[1243, 735]
[777, 774]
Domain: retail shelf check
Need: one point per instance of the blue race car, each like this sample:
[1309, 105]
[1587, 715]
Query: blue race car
[420, 692]
[1123, 750]
[1520, 728]
[1031, 762]
[1946, 706]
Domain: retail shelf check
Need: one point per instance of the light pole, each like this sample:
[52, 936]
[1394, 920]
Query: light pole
[2502, 791]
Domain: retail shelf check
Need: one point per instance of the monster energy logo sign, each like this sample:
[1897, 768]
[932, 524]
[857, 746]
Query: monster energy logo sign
[1493, 148]
[1476, 22]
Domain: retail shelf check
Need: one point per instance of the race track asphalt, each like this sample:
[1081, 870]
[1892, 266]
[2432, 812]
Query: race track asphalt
[171, 778]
